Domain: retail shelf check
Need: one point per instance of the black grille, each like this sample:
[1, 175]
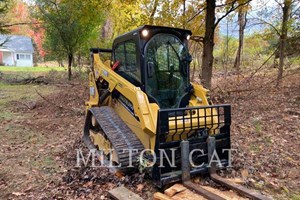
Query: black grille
[194, 124]
[185, 123]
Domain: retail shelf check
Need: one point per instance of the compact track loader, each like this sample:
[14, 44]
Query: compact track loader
[143, 99]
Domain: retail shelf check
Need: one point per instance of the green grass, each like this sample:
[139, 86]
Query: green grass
[254, 148]
[257, 124]
[5, 115]
[10, 93]
[29, 69]
[295, 197]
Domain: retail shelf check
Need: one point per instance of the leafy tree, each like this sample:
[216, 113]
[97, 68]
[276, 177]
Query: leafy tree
[21, 23]
[226, 49]
[128, 18]
[4, 6]
[68, 25]
[177, 13]
[19, 18]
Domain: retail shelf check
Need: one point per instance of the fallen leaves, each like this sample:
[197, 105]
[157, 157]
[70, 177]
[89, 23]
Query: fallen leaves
[18, 193]
[140, 187]
[266, 131]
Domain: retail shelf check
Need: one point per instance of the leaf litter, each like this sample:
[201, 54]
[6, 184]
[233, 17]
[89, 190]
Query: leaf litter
[265, 132]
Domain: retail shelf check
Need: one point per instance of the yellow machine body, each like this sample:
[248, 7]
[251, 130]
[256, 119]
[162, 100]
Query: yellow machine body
[145, 127]
[141, 98]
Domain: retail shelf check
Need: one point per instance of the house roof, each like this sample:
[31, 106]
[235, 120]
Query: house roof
[16, 43]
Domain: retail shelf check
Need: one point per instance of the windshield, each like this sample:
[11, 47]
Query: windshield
[167, 70]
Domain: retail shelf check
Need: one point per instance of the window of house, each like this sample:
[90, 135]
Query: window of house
[21, 56]
[125, 53]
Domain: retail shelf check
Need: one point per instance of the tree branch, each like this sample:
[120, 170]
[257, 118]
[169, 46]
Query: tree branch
[231, 10]
[195, 15]
[269, 24]
[18, 24]
[259, 68]
[151, 17]
[6, 40]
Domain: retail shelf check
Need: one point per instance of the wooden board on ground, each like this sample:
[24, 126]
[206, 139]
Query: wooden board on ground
[227, 194]
[122, 193]
[174, 189]
[179, 192]
[188, 195]
[161, 196]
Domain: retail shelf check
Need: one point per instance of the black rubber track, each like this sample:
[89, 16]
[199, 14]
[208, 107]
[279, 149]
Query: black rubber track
[117, 132]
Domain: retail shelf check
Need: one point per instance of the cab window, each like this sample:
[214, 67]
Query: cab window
[126, 54]
[167, 77]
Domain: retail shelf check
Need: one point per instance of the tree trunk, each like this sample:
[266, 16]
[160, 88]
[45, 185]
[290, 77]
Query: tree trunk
[242, 24]
[107, 31]
[286, 10]
[208, 43]
[184, 15]
[79, 60]
[70, 60]
[151, 17]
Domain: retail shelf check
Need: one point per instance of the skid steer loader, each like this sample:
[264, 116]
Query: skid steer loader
[142, 98]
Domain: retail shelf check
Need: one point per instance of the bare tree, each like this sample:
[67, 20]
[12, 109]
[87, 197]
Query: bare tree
[242, 20]
[153, 11]
[208, 42]
[286, 8]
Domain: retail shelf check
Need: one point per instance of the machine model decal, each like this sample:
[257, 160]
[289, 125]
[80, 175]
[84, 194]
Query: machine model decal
[105, 73]
[92, 91]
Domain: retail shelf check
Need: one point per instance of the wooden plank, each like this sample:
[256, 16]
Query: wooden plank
[122, 193]
[227, 194]
[239, 188]
[161, 196]
[203, 192]
[187, 195]
[174, 190]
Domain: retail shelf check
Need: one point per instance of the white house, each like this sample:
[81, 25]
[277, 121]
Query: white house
[16, 50]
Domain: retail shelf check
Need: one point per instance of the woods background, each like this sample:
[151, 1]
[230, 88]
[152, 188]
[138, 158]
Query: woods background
[229, 34]
[246, 52]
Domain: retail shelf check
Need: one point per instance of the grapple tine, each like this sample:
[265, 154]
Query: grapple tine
[185, 164]
[186, 177]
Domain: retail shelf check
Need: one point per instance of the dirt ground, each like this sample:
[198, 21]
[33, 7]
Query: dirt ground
[265, 131]
[41, 127]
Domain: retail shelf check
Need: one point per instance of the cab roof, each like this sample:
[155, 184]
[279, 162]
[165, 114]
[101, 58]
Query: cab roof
[152, 29]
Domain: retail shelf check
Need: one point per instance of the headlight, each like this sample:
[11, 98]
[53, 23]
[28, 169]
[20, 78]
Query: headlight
[145, 33]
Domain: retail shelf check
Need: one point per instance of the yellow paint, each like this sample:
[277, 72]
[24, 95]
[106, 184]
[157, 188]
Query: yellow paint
[99, 140]
[147, 140]
[144, 121]
[134, 94]
[94, 99]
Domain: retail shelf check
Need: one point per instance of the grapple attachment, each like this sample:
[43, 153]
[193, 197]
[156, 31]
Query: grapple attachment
[194, 124]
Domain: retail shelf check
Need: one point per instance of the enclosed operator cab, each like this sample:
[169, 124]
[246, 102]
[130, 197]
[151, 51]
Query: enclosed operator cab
[156, 59]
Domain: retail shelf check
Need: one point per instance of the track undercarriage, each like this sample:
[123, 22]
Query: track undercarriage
[117, 139]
